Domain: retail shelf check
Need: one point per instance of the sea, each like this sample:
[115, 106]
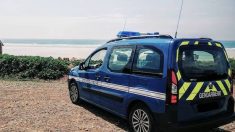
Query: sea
[64, 42]
[54, 41]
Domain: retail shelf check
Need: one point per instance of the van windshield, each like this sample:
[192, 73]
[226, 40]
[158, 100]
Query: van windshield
[202, 63]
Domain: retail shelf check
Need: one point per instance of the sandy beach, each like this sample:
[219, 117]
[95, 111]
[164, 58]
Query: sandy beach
[45, 106]
[67, 51]
[231, 52]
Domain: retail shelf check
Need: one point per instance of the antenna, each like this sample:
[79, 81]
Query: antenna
[176, 32]
[124, 26]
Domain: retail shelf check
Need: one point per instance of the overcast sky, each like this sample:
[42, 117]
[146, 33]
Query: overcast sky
[102, 19]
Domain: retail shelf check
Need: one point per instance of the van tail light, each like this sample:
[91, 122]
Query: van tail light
[173, 88]
[174, 99]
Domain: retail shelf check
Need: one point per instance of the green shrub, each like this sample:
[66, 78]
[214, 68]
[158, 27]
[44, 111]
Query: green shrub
[75, 62]
[32, 67]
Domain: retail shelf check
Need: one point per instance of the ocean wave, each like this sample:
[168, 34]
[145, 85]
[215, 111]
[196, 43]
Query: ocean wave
[51, 45]
[230, 48]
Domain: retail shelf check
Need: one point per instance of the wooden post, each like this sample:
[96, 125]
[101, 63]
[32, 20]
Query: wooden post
[1, 44]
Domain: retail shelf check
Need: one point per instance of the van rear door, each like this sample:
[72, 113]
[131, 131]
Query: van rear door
[204, 83]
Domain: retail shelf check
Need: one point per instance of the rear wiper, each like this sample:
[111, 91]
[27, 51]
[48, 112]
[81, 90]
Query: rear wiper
[193, 80]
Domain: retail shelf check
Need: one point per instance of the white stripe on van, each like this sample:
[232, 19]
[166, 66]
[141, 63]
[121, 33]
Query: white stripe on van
[133, 90]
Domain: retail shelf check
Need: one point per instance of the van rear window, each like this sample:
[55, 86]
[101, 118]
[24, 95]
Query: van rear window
[202, 63]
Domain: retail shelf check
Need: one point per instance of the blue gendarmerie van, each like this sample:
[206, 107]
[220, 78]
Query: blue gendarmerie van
[157, 82]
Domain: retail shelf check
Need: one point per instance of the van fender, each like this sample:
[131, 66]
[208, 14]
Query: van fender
[154, 105]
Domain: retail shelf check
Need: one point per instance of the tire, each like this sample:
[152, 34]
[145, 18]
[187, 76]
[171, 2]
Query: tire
[141, 119]
[74, 93]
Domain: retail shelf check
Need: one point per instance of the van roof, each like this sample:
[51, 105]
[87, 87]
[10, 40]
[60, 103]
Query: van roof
[155, 39]
[130, 37]
[142, 37]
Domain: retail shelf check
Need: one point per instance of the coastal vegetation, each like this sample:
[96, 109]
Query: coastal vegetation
[34, 67]
[46, 68]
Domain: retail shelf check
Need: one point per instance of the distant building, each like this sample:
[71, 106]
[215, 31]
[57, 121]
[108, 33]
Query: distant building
[1, 44]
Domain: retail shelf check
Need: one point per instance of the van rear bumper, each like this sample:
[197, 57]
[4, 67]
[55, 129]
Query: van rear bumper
[203, 124]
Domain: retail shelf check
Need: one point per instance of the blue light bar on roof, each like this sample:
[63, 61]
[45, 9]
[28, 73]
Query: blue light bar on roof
[127, 34]
[122, 34]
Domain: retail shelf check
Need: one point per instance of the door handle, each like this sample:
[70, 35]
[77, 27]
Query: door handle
[97, 76]
[107, 78]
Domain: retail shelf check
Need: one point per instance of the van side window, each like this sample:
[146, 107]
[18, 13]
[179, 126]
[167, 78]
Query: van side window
[96, 60]
[147, 61]
[119, 58]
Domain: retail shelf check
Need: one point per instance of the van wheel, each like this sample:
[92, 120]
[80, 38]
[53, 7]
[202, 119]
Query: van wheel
[140, 119]
[74, 93]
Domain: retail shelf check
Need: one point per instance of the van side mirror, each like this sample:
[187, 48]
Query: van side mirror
[82, 66]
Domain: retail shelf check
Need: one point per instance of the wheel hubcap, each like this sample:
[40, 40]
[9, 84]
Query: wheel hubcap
[140, 121]
[73, 93]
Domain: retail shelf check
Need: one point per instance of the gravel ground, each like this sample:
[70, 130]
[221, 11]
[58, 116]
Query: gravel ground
[45, 106]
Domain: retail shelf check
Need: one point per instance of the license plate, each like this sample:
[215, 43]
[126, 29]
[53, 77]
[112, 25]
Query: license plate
[209, 94]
